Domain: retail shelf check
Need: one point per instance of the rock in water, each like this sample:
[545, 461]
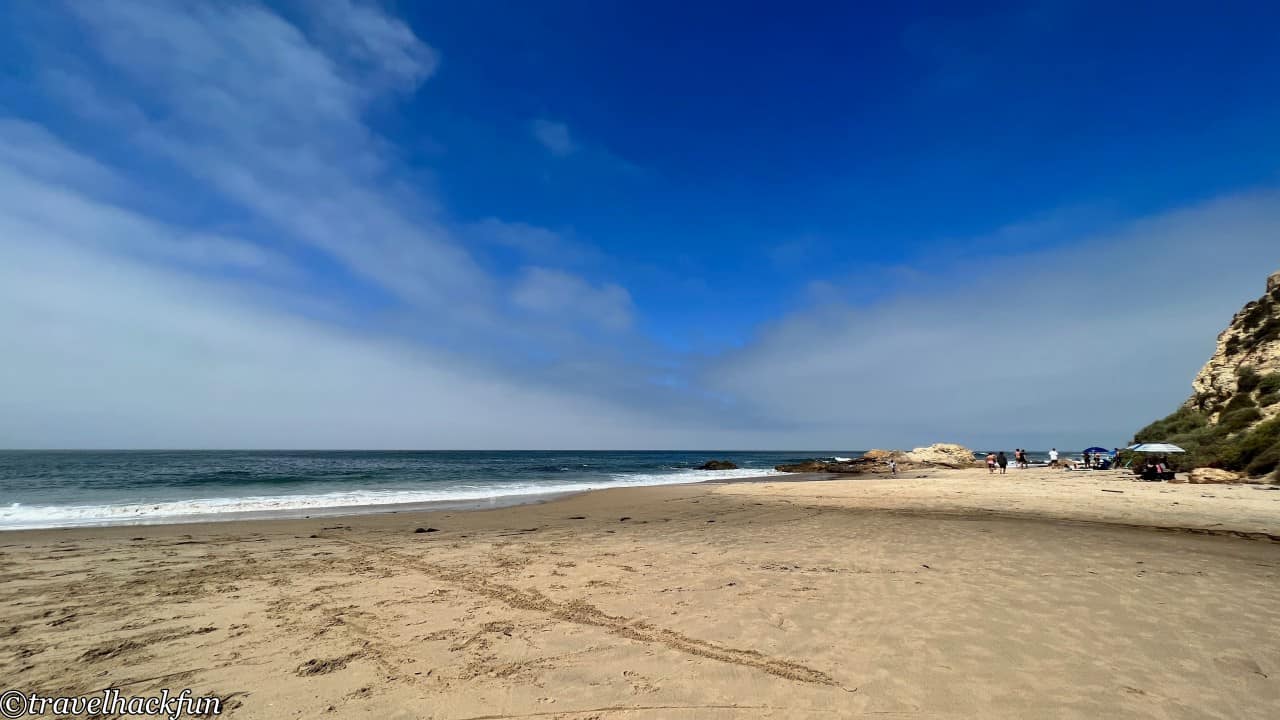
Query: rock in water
[872, 461]
[808, 466]
[717, 465]
[948, 455]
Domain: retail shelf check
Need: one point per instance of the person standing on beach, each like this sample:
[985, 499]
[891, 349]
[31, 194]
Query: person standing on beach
[893, 466]
[991, 463]
[1003, 461]
[1053, 457]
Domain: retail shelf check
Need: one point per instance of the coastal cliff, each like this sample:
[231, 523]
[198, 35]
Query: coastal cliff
[1232, 419]
[1249, 348]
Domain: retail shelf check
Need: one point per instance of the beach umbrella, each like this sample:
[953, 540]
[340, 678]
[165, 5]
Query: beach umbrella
[1096, 449]
[1156, 448]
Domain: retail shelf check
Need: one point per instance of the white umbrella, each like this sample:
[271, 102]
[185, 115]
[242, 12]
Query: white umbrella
[1156, 448]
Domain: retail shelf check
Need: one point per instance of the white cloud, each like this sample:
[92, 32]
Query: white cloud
[554, 136]
[256, 109]
[536, 244]
[116, 322]
[250, 106]
[33, 150]
[548, 292]
[1072, 346]
[104, 352]
[376, 40]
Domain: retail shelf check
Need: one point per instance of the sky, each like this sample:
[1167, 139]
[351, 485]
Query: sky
[611, 225]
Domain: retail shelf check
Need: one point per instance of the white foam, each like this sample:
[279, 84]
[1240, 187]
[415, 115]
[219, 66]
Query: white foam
[27, 517]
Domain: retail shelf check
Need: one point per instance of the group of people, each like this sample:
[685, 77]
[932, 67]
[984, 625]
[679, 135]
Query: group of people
[1093, 460]
[1156, 468]
[1001, 461]
[1101, 460]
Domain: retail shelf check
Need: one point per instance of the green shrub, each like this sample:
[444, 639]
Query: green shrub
[1226, 445]
[1269, 383]
[1239, 402]
[1269, 399]
[1183, 420]
[1237, 420]
[1247, 379]
[1207, 447]
[1258, 451]
[1264, 463]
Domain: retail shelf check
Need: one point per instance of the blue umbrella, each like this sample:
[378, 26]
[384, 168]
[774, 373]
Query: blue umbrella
[1096, 450]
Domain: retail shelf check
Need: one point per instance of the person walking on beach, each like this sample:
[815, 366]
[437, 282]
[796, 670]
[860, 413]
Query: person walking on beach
[1003, 461]
[1019, 458]
[893, 466]
[1053, 457]
[991, 463]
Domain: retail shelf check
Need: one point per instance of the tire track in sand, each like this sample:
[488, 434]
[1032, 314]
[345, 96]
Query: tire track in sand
[582, 613]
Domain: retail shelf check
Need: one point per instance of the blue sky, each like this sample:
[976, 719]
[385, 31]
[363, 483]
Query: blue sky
[600, 224]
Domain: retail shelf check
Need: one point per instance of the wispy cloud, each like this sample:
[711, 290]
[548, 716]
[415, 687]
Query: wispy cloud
[544, 291]
[255, 109]
[379, 44]
[233, 105]
[1079, 344]
[554, 136]
[105, 352]
[270, 116]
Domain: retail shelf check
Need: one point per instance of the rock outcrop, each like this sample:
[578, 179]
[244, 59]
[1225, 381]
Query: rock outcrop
[948, 455]
[847, 467]
[944, 455]
[718, 465]
[1212, 476]
[1249, 345]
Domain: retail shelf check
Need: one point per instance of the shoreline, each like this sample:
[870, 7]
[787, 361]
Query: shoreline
[489, 502]
[866, 490]
[497, 502]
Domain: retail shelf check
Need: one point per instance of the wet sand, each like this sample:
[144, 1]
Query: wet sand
[956, 594]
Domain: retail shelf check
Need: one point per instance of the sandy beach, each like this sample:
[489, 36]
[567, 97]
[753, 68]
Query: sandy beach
[932, 595]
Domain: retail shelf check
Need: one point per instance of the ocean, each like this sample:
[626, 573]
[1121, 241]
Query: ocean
[43, 489]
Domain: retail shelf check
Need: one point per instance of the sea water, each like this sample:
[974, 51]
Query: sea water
[41, 489]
